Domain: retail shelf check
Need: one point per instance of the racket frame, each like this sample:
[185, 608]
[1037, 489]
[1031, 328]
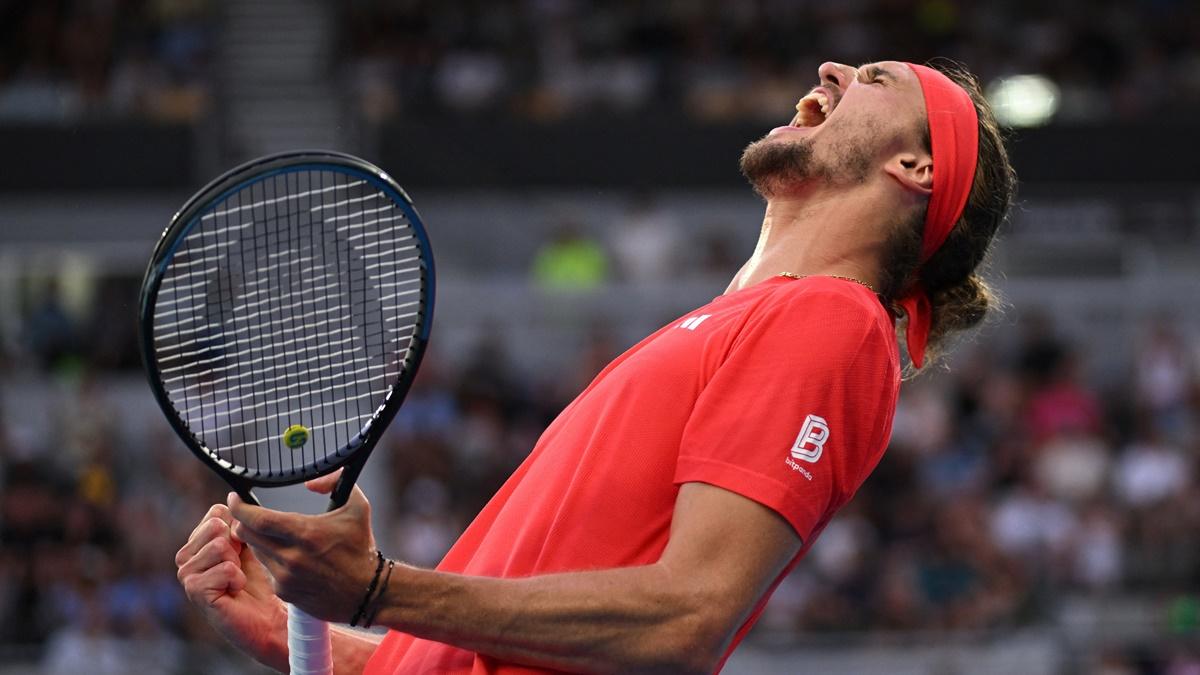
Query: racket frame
[354, 454]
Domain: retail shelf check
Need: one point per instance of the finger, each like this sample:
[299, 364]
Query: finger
[324, 484]
[205, 588]
[237, 579]
[273, 568]
[215, 552]
[256, 572]
[206, 531]
[266, 549]
[264, 522]
[222, 511]
[219, 511]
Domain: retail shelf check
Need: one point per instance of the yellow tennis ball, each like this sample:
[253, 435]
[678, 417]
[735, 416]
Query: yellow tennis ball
[295, 436]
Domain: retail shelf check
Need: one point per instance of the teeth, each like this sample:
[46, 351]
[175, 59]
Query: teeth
[813, 109]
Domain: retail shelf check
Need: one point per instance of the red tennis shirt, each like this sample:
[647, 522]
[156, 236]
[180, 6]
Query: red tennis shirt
[783, 392]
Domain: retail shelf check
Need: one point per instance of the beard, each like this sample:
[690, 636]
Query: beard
[777, 168]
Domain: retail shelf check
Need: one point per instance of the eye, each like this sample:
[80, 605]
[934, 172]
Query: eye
[872, 76]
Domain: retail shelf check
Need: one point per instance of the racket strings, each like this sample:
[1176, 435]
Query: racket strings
[294, 301]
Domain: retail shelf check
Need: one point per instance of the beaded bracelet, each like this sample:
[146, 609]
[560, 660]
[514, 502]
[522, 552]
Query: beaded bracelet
[382, 589]
[362, 607]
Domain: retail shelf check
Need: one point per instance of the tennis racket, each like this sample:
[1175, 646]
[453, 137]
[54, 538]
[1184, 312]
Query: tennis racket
[283, 316]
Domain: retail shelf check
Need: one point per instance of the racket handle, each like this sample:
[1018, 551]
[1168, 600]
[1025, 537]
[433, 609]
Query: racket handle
[309, 650]
[345, 484]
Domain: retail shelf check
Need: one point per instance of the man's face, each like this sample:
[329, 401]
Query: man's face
[844, 128]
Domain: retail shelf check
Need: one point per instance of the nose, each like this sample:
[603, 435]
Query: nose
[838, 74]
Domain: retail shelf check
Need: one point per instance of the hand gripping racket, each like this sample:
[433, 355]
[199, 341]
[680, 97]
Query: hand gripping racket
[282, 319]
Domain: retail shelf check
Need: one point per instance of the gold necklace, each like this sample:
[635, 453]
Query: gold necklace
[791, 275]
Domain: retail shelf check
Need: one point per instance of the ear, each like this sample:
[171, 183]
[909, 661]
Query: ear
[913, 170]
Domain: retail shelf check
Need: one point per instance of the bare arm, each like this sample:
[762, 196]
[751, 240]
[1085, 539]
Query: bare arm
[676, 615]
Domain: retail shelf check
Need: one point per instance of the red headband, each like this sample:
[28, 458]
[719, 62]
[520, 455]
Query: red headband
[954, 136]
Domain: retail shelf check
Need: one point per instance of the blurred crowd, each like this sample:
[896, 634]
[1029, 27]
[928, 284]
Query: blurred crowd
[88, 530]
[1013, 481]
[63, 60]
[714, 60]
[554, 59]
[647, 243]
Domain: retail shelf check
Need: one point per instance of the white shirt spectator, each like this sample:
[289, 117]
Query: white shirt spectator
[1147, 473]
[1031, 525]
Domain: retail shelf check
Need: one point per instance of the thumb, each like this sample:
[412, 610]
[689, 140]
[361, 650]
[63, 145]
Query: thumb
[324, 484]
[257, 576]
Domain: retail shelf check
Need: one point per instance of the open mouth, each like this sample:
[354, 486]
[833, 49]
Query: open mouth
[812, 110]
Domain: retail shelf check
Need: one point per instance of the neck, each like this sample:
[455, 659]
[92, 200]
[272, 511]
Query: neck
[822, 232]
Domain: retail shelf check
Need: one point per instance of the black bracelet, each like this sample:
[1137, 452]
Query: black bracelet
[382, 589]
[362, 607]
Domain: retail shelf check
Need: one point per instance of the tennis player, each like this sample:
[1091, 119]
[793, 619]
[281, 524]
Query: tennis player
[652, 520]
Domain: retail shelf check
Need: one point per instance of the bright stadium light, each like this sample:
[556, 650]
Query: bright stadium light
[1023, 100]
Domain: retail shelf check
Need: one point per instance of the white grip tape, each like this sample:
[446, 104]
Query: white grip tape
[309, 651]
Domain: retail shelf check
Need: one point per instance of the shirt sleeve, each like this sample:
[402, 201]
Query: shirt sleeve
[800, 410]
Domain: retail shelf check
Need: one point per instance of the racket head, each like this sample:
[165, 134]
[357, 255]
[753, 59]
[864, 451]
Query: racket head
[284, 293]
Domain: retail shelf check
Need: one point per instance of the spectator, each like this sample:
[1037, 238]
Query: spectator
[645, 242]
[950, 532]
[570, 262]
[719, 61]
[50, 333]
[64, 61]
[1164, 382]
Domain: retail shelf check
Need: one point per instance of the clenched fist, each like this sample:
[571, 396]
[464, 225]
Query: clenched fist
[222, 576]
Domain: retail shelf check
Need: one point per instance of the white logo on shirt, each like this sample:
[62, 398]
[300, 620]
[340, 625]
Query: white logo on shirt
[691, 322]
[811, 441]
